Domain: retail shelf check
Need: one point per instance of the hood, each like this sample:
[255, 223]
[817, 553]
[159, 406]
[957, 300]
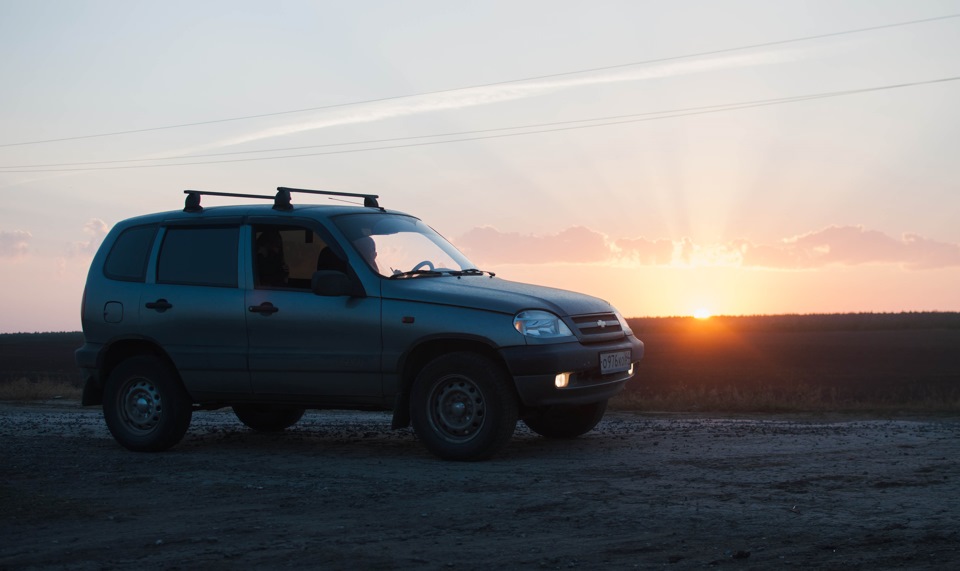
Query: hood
[492, 294]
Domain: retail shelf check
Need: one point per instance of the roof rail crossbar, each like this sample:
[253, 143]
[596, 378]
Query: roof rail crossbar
[281, 201]
[192, 203]
[369, 200]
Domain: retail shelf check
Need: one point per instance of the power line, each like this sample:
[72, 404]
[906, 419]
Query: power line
[539, 128]
[667, 112]
[396, 139]
[477, 86]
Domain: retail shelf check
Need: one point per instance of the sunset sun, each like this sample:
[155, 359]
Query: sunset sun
[702, 313]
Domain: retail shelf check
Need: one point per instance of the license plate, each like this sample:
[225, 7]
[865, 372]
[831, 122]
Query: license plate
[614, 362]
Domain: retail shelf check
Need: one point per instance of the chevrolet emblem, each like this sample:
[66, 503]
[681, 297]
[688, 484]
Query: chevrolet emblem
[601, 324]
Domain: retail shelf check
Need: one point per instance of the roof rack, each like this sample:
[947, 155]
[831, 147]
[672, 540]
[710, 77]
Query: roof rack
[192, 202]
[369, 200]
[281, 201]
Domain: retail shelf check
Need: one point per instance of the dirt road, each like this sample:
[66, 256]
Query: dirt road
[342, 491]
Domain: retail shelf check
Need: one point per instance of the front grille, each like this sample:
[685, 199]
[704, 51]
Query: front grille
[598, 326]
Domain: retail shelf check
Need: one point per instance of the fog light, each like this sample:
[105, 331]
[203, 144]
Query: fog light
[562, 380]
[630, 372]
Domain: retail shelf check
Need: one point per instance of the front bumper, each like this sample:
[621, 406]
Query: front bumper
[534, 369]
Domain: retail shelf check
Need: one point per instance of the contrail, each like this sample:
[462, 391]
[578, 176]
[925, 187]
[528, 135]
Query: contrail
[495, 94]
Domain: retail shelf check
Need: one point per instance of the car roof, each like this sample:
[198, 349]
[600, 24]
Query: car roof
[315, 211]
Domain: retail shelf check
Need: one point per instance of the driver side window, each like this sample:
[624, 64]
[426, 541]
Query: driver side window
[285, 257]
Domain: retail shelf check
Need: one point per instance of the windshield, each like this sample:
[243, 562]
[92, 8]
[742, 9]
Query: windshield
[396, 245]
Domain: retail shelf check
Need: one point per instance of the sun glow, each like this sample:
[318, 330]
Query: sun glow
[702, 313]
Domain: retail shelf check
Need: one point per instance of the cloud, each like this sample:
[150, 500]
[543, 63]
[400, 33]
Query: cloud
[927, 254]
[14, 243]
[689, 253]
[646, 252]
[95, 229]
[832, 246]
[573, 245]
[852, 246]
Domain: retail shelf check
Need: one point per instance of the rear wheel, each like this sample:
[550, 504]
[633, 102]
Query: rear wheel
[268, 418]
[565, 421]
[145, 406]
[463, 407]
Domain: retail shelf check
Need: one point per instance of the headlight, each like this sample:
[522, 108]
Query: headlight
[542, 324]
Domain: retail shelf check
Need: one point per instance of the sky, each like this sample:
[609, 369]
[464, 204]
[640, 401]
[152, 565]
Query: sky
[726, 157]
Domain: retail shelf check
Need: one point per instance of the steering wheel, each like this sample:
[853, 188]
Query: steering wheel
[426, 263]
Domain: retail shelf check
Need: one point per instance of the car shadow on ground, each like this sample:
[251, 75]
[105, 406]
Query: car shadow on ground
[369, 442]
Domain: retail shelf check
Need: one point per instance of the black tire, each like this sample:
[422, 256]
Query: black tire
[145, 406]
[565, 421]
[268, 418]
[463, 407]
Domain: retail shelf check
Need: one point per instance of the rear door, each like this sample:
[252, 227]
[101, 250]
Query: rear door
[304, 346]
[192, 306]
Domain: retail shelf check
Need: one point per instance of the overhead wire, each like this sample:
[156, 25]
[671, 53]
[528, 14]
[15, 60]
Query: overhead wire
[671, 112]
[483, 85]
[539, 128]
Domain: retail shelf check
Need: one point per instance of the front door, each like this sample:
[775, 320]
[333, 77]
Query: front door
[303, 346]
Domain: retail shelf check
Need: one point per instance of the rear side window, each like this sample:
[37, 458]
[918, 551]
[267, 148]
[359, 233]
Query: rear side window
[199, 256]
[127, 260]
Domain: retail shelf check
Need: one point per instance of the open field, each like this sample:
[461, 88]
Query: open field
[38, 366]
[40, 356]
[815, 362]
[887, 362]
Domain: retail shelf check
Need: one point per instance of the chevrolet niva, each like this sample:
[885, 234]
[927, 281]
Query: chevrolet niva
[275, 309]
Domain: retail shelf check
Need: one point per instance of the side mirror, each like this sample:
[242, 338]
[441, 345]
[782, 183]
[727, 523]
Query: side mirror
[330, 283]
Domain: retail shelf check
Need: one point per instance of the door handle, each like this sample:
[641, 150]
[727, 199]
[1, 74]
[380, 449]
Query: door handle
[265, 308]
[160, 305]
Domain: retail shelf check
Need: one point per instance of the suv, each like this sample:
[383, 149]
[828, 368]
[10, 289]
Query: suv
[274, 310]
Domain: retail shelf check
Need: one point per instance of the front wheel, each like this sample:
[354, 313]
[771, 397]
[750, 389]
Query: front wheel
[463, 407]
[565, 421]
[268, 418]
[145, 406]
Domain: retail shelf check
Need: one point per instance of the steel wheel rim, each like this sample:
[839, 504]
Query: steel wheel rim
[457, 408]
[141, 406]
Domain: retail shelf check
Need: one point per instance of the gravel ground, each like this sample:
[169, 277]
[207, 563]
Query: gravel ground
[341, 490]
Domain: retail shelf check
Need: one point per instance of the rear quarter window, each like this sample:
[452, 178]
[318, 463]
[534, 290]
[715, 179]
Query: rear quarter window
[199, 256]
[127, 260]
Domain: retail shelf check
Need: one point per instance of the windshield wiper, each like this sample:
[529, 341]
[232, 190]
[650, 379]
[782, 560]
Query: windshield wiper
[416, 274]
[472, 272]
[437, 273]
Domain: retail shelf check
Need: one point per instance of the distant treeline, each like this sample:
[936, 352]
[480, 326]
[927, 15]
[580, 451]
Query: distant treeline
[786, 322]
[45, 337]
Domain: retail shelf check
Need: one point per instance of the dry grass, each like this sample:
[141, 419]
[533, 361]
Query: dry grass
[24, 389]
